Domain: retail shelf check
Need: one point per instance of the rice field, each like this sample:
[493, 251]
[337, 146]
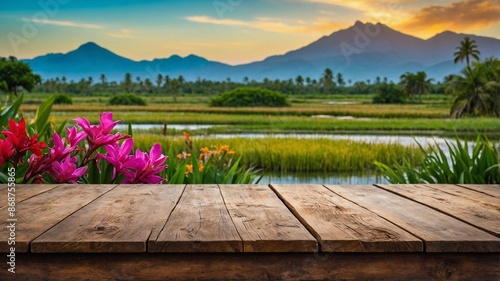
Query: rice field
[297, 155]
[333, 114]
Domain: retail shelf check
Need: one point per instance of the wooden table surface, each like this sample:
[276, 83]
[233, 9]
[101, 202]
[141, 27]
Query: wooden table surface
[307, 219]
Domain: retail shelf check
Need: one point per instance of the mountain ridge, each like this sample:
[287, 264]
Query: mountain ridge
[360, 52]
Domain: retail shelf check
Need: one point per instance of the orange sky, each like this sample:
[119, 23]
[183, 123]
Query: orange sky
[230, 31]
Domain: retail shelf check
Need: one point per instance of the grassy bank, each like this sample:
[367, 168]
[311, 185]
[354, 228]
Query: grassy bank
[303, 155]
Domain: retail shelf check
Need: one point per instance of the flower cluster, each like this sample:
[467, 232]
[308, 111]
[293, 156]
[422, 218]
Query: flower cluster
[76, 158]
[218, 157]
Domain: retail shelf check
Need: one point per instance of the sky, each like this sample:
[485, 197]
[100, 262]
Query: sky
[228, 31]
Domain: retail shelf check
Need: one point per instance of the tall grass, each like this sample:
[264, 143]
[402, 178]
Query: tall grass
[458, 166]
[301, 155]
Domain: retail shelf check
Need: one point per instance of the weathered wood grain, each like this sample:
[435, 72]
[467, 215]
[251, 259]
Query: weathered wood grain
[199, 223]
[40, 213]
[342, 226]
[24, 191]
[440, 232]
[490, 189]
[264, 222]
[249, 266]
[120, 221]
[478, 209]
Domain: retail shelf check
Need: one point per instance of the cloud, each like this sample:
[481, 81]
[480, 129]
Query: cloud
[268, 24]
[67, 23]
[123, 33]
[387, 12]
[459, 16]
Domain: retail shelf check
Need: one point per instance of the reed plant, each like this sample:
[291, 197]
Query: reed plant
[457, 165]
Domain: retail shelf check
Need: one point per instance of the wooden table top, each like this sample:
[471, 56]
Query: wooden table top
[253, 218]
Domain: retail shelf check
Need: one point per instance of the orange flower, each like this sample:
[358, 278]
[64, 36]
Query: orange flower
[205, 150]
[187, 137]
[179, 156]
[189, 169]
[231, 152]
[188, 155]
[200, 167]
[224, 148]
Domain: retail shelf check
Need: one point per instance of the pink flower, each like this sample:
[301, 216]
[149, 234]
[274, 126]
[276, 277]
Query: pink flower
[75, 137]
[65, 171]
[119, 156]
[59, 151]
[147, 166]
[99, 135]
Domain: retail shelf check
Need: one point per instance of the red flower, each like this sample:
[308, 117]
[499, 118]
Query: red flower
[6, 151]
[19, 139]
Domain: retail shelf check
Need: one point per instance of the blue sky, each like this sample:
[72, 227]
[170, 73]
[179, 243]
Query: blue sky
[230, 31]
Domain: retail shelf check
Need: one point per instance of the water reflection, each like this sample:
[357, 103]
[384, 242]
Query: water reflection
[322, 178]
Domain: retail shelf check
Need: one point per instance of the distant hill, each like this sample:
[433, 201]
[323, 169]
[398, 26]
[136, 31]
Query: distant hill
[360, 52]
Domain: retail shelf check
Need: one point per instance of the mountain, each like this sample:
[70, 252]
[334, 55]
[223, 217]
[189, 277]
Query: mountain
[91, 60]
[360, 52]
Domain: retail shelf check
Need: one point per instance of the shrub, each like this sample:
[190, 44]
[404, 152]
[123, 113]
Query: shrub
[248, 97]
[63, 99]
[389, 93]
[127, 99]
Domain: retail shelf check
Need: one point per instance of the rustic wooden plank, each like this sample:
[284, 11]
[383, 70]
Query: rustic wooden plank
[38, 214]
[120, 221]
[478, 209]
[490, 189]
[440, 232]
[264, 222]
[199, 223]
[252, 266]
[342, 226]
[25, 191]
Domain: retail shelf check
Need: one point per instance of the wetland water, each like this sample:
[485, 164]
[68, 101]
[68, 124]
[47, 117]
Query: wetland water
[361, 177]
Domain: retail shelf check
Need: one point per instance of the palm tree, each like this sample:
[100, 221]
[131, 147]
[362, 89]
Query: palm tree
[127, 84]
[159, 80]
[477, 91]
[422, 84]
[103, 78]
[175, 87]
[340, 79]
[299, 81]
[409, 81]
[327, 80]
[467, 49]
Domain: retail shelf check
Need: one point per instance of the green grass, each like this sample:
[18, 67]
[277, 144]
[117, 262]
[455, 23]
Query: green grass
[431, 117]
[301, 155]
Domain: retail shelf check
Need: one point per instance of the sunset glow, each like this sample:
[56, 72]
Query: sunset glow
[234, 32]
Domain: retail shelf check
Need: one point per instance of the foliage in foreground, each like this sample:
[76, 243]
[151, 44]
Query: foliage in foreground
[33, 152]
[91, 154]
[479, 166]
[211, 165]
[247, 97]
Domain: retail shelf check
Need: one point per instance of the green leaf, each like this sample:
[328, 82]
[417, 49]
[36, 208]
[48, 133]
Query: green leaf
[107, 176]
[60, 129]
[42, 115]
[94, 174]
[228, 179]
[11, 111]
[129, 130]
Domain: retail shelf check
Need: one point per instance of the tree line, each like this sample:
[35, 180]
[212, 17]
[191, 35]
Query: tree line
[328, 83]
